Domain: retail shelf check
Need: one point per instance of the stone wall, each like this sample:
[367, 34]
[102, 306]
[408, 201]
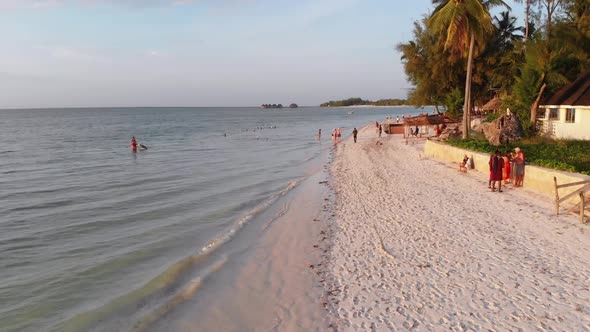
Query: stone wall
[537, 178]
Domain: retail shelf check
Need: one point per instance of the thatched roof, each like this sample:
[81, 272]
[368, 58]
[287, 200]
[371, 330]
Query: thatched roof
[576, 93]
[504, 129]
[427, 120]
[494, 104]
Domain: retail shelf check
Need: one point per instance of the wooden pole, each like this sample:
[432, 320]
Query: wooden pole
[582, 207]
[556, 196]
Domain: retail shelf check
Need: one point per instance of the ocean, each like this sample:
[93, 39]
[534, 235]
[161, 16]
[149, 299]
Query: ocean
[93, 235]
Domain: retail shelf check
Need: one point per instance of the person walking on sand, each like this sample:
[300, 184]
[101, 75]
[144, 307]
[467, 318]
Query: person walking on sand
[354, 133]
[519, 168]
[133, 144]
[320, 135]
[380, 131]
[496, 165]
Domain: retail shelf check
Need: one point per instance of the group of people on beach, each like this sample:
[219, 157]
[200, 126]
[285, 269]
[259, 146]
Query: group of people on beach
[378, 128]
[507, 167]
[337, 134]
[503, 168]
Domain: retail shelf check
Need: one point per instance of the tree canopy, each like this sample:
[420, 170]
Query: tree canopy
[361, 102]
[521, 69]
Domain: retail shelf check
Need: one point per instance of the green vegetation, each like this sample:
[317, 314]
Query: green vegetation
[521, 65]
[570, 156]
[361, 102]
[491, 117]
[390, 102]
[463, 23]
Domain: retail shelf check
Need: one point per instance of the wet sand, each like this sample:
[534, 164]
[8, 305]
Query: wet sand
[418, 245]
[269, 284]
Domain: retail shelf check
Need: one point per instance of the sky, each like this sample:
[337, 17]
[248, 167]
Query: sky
[107, 53]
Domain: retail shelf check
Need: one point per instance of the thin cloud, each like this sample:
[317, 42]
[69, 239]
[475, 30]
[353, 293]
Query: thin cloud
[77, 54]
[28, 4]
[42, 4]
[155, 53]
[316, 10]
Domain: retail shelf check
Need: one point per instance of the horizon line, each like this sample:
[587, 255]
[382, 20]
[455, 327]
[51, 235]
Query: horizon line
[104, 107]
[107, 107]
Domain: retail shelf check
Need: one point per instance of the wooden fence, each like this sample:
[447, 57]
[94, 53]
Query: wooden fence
[581, 192]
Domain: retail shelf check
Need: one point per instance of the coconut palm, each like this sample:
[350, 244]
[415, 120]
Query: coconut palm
[507, 31]
[527, 14]
[464, 26]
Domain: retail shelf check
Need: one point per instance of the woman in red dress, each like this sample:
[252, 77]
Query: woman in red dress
[496, 165]
[506, 170]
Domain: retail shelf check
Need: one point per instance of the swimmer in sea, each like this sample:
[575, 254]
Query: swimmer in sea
[133, 144]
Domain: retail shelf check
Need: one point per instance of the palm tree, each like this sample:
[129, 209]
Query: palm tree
[507, 30]
[527, 14]
[464, 25]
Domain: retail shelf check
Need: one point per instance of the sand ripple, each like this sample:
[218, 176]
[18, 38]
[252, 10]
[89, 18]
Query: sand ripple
[418, 245]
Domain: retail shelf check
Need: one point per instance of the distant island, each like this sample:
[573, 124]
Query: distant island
[293, 105]
[361, 102]
[271, 106]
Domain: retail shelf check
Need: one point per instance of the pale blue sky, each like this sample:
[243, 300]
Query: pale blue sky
[69, 53]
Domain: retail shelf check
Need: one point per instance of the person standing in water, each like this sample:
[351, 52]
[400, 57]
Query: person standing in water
[320, 135]
[354, 133]
[133, 144]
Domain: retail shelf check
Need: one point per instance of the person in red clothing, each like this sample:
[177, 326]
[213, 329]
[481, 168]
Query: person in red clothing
[506, 170]
[133, 144]
[496, 165]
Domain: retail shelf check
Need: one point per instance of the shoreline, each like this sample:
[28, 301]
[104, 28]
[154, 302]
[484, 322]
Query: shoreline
[269, 280]
[416, 244]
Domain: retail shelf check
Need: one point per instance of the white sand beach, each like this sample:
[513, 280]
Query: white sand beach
[418, 245]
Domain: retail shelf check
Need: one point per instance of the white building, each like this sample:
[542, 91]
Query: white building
[566, 114]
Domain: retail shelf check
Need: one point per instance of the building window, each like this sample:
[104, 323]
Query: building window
[553, 114]
[541, 113]
[570, 115]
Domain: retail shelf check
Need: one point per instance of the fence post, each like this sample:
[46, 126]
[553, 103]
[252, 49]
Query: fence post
[556, 196]
[582, 219]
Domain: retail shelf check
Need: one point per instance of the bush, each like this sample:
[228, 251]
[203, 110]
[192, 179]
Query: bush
[491, 117]
[563, 155]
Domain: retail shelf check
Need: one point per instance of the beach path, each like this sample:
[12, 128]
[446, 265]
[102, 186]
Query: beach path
[418, 245]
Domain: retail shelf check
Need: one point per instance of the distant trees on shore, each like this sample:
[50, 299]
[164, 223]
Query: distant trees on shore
[271, 105]
[361, 102]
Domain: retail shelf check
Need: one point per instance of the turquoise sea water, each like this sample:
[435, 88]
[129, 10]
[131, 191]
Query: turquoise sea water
[91, 233]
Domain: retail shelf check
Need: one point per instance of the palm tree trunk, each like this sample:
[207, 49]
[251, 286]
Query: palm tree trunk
[467, 103]
[535, 106]
[526, 21]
